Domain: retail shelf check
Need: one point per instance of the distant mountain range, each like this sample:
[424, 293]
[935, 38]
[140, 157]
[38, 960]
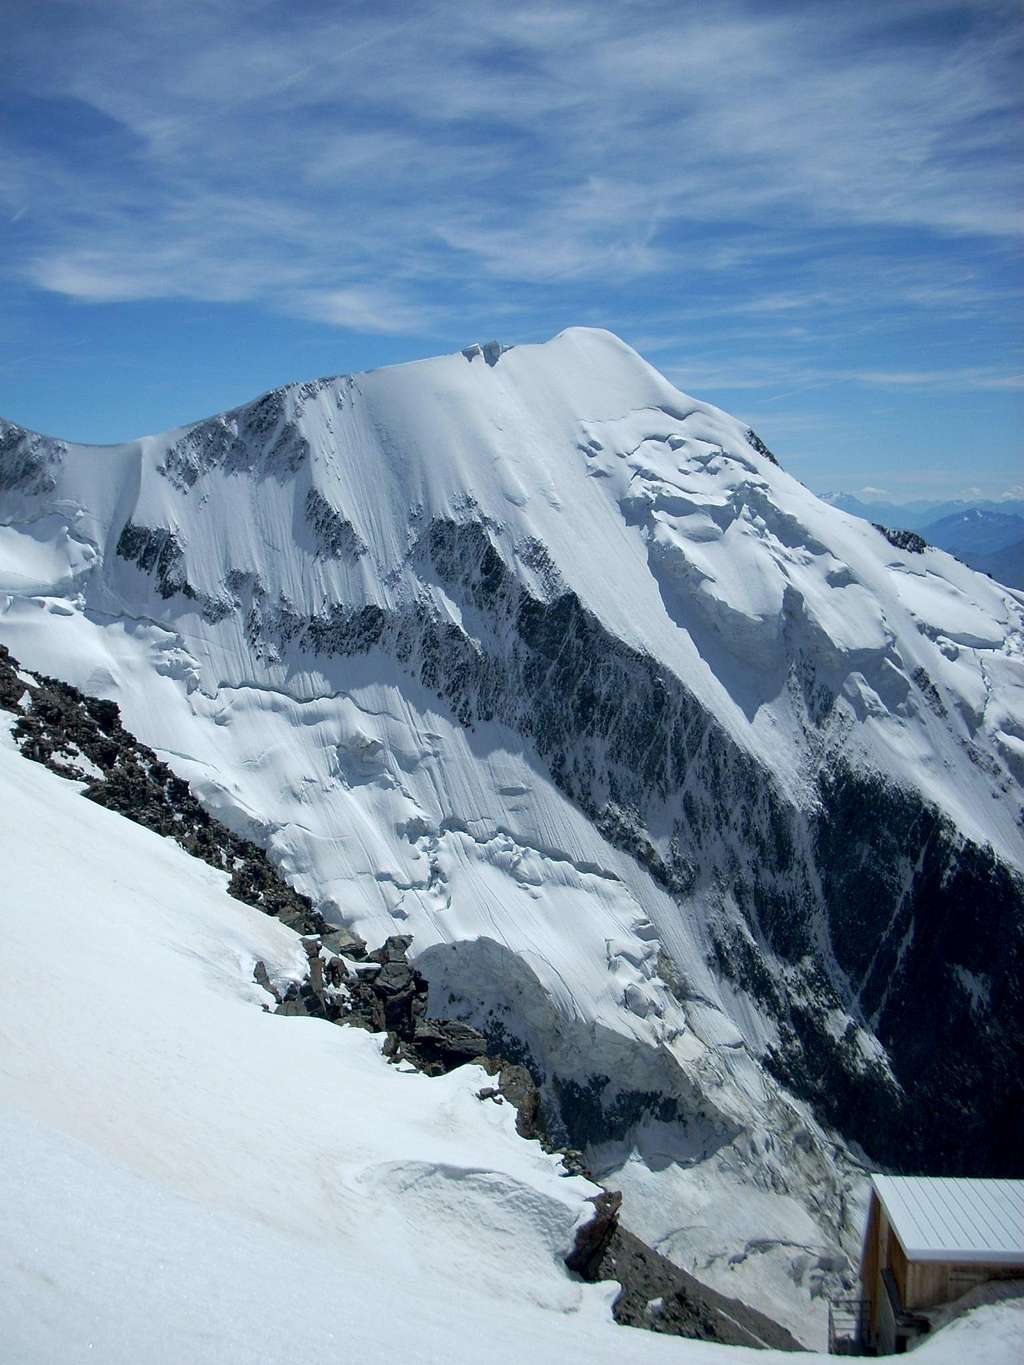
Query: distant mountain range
[988, 536]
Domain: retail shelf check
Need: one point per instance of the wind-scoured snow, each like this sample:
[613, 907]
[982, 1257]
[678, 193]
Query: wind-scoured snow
[232, 585]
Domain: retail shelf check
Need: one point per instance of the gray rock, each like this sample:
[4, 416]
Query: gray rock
[592, 1238]
[343, 942]
[262, 978]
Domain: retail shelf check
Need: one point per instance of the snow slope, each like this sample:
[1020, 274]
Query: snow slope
[184, 1176]
[669, 768]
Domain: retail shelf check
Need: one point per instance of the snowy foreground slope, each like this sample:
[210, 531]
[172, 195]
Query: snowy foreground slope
[695, 793]
[186, 1177]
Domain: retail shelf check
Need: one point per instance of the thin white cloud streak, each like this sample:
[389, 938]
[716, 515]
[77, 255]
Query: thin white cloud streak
[927, 379]
[795, 377]
[275, 154]
[362, 309]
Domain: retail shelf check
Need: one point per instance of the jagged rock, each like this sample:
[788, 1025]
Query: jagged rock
[660, 1296]
[335, 536]
[344, 942]
[368, 971]
[337, 973]
[297, 1003]
[12, 689]
[760, 447]
[262, 978]
[445, 1044]
[520, 1089]
[28, 461]
[391, 1045]
[593, 1237]
[394, 979]
[491, 351]
[393, 949]
[909, 541]
[575, 1163]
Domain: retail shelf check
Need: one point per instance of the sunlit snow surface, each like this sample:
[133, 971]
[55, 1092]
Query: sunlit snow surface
[686, 544]
[186, 1177]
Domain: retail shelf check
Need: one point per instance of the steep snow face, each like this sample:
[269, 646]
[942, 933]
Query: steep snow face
[702, 794]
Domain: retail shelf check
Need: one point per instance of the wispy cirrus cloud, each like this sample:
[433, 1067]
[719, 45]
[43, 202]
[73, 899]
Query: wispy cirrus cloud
[754, 373]
[361, 308]
[956, 379]
[290, 149]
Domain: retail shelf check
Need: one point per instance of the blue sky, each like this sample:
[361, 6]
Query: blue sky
[809, 213]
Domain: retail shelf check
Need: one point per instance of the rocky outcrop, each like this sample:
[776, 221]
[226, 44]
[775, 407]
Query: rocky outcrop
[158, 552]
[382, 992]
[336, 537]
[490, 351]
[256, 439]
[659, 1296]
[593, 1238]
[909, 541]
[27, 461]
[760, 447]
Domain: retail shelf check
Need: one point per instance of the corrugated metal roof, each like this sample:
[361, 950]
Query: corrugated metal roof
[939, 1218]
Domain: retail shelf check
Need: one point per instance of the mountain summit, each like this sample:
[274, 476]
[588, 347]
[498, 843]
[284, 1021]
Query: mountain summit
[698, 795]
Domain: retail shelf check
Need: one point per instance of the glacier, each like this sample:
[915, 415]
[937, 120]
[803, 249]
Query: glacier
[698, 795]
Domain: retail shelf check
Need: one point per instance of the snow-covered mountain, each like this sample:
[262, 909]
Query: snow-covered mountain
[187, 1176]
[975, 532]
[698, 795]
[921, 512]
[991, 542]
[1005, 565]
